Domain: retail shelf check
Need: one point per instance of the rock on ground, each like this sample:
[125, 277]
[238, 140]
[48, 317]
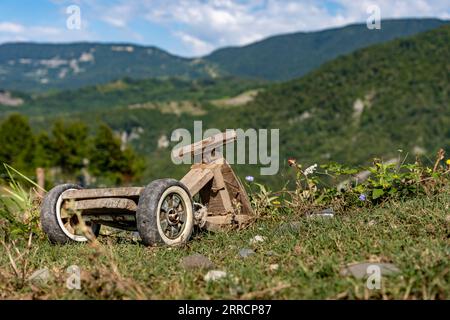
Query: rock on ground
[274, 267]
[41, 276]
[245, 253]
[196, 261]
[214, 275]
[257, 239]
[360, 270]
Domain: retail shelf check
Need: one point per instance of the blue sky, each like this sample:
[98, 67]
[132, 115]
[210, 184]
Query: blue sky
[193, 27]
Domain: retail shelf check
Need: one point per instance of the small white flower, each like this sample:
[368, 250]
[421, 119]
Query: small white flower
[310, 170]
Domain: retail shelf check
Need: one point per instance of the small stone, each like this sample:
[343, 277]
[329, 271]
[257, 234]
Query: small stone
[289, 227]
[214, 275]
[359, 270]
[41, 276]
[237, 290]
[245, 253]
[196, 261]
[274, 267]
[371, 223]
[135, 236]
[270, 253]
[327, 213]
[257, 239]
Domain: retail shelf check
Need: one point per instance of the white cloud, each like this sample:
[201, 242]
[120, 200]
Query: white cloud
[198, 47]
[10, 27]
[12, 32]
[117, 15]
[203, 26]
[224, 22]
[115, 22]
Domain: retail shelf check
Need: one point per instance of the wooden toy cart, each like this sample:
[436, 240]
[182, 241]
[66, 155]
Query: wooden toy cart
[164, 211]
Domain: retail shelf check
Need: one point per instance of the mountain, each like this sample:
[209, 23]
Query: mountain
[289, 56]
[370, 103]
[34, 67]
[39, 67]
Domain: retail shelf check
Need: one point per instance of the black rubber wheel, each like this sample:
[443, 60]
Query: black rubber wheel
[165, 213]
[51, 220]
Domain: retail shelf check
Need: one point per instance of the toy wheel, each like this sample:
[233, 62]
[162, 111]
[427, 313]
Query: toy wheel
[58, 227]
[165, 213]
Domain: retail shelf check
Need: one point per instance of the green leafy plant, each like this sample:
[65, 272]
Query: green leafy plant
[356, 187]
[18, 206]
[263, 200]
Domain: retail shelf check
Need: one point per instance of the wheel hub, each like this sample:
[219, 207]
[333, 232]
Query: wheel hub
[172, 216]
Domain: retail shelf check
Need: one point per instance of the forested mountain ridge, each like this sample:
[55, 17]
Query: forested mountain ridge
[369, 103]
[293, 55]
[35, 67]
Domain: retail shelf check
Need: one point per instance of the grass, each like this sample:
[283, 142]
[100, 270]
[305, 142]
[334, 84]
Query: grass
[413, 235]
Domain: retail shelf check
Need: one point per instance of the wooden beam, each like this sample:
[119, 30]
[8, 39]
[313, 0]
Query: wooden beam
[219, 186]
[126, 192]
[196, 179]
[218, 223]
[207, 144]
[105, 204]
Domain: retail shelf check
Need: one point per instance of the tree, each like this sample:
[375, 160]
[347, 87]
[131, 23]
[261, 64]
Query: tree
[17, 142]
[109, 160]
[44, 155]
[70, 145]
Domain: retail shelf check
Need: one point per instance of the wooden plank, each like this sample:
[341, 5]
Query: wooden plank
[223, 195]
[196, 179]
[219, 183]
[206, 144]
[125, 192]
[236, 189]
[243, 219]
[105, 204]
[218, 223]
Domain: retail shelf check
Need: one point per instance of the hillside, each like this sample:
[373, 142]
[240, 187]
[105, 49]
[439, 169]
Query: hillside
[369, 103]
[34, 67]
[290, 56]
[129, 93]
[141, 111]
[39, 67]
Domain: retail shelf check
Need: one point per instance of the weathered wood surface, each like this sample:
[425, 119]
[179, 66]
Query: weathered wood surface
[125, 192]
[220, 192]
[218, 223]
[207, 144]
[104, 204]
[225, 193]
[236, 190]
[224, 222]
[197, 178]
